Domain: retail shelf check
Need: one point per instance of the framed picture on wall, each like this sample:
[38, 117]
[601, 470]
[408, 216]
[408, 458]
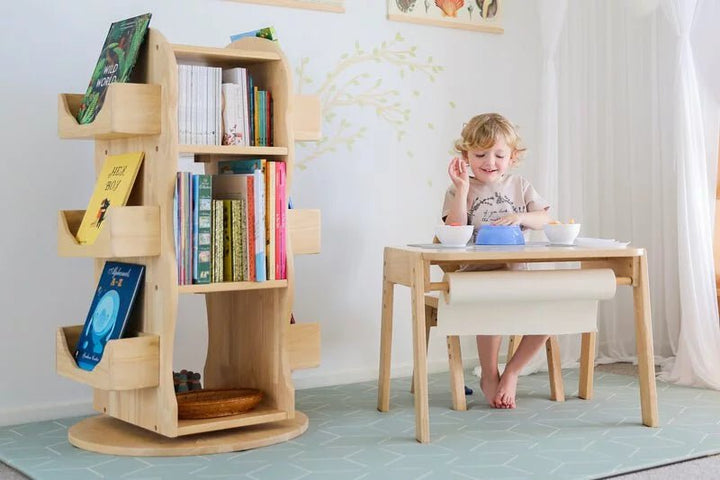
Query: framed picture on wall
[481, 15]
[324, 5]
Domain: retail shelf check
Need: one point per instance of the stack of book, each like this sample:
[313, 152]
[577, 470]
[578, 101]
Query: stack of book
[231, 227]
[247, 114]
[199, 105]
[222, 106]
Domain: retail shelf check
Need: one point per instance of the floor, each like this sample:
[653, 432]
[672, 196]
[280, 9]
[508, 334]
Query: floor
[349, 440]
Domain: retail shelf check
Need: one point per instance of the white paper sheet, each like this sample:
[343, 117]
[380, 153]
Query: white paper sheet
[549, 302]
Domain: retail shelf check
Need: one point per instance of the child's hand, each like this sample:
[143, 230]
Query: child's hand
[512, 219]
[459, 174]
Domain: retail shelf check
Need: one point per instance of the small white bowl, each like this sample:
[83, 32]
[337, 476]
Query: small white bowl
[454, 235]
[562, 233]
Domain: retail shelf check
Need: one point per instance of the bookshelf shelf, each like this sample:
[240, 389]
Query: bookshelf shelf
[129, 110]
[223, 57]
[126, 364]
[260, 414]
[128, 232]
[232, 286]
[251, 343]
[231, 150]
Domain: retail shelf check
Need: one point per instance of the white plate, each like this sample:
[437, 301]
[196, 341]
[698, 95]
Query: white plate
[600, 243]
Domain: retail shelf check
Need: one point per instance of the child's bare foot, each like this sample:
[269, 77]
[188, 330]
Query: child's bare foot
[489, 386]
[505, 394]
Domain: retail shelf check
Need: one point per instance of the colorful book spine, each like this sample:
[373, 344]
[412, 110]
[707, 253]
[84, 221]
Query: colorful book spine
[270, 174]
[281, 220]
[252, 265]
[227, 245]
[202, 222]
[217, 241]
[236, 239]
[260, 270]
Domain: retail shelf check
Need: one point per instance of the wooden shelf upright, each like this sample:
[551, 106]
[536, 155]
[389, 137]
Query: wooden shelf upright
[251, 342]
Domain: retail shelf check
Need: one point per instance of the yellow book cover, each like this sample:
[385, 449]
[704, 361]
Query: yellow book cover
[112, 188]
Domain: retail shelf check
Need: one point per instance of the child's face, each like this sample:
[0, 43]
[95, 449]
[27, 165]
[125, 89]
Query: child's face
[489, 165]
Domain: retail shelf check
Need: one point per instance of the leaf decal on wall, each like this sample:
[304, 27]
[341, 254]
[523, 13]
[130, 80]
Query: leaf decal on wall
[352, 83]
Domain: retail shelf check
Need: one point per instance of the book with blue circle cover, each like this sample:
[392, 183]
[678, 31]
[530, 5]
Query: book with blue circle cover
[112, 306]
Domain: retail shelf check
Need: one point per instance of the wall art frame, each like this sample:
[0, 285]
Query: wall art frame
[478, 15]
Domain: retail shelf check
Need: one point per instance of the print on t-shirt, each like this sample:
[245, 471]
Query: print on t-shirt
[496, 206]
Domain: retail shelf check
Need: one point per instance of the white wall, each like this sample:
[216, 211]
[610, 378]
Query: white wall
[381, 191]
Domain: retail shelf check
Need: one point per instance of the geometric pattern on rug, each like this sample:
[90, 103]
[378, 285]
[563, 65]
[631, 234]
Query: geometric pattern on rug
[348, 439]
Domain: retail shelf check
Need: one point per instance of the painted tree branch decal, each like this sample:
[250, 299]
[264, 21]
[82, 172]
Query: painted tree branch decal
[348, 85]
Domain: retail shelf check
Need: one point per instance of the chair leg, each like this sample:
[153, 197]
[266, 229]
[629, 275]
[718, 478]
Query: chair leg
[587, 365]
[457, 377]
[557, 389]
[430, 321]
[513, 344]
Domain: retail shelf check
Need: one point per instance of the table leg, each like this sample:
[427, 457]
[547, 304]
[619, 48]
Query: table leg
[644, 342]
[587, 365]
[383, 403]
[422, 418]
[557, 387]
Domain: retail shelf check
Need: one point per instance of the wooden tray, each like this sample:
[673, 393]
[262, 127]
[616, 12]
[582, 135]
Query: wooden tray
[217, 403]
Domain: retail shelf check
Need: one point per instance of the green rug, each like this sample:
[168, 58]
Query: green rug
[349, 440]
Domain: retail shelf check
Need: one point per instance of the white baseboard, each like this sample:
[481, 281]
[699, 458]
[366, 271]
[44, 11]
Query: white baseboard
[310, 380]
[53, 411]
[47, 411]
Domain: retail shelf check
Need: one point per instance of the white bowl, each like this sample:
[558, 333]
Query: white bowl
[562, 233]
[454, 235]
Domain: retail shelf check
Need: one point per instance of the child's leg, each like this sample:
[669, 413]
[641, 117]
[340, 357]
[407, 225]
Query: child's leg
[529, 346]
[488, 347]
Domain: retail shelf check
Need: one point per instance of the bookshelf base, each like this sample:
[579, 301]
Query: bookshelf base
[104, 434]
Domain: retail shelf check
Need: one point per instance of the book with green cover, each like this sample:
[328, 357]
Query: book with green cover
[117, 59]
[268, 33]
[202, 227]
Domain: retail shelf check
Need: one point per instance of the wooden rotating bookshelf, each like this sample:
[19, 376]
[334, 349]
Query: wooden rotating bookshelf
[251, 343]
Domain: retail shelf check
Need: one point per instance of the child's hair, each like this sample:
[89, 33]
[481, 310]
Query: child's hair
[482, 131]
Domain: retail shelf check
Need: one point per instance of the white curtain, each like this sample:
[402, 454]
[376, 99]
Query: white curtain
[697, 360]
[625, 152]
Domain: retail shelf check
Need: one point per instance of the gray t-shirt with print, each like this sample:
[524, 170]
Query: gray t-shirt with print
[488, 202]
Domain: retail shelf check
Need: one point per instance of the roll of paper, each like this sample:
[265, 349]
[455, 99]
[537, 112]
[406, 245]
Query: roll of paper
[523, 302]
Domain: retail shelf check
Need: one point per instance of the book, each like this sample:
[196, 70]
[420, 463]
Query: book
[227, 245]
[281, 220]
[117, 59]
[267, 32]
[217, 242]
[238, 240]
[263, 242]
[241, 187]
[270, 227]
[111, 307]
[202, 227]
[112, 189]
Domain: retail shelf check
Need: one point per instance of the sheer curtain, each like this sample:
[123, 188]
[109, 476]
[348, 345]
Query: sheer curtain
[697, 360]
[632, 164]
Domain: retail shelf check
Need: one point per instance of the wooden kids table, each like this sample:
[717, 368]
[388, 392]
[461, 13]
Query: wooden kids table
[410, 266]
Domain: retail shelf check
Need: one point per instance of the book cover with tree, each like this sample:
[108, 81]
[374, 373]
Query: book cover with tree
[117, 59]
